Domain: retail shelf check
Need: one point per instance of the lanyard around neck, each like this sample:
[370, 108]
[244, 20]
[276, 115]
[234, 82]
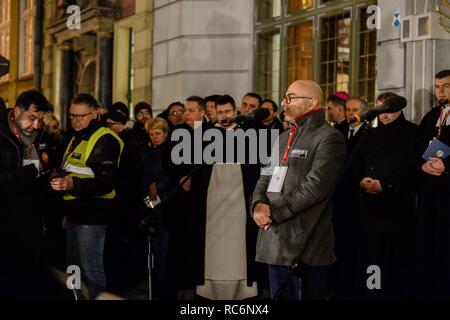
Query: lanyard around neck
[442, 122]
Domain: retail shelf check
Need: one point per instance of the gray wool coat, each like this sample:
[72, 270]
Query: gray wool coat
[317, 155]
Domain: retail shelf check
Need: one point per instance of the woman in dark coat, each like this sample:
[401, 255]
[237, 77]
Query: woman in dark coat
[157, 185]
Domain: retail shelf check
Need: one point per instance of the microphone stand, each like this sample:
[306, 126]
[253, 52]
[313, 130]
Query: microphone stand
[366, 128]
[145, 224]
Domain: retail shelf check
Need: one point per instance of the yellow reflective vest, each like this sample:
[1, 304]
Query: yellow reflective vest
[75, 162]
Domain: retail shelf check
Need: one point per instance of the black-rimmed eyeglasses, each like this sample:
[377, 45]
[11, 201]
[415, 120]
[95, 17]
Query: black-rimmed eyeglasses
[289, 98]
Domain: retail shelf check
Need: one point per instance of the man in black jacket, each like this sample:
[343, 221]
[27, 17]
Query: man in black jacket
[91, 161]
[384, 172]
[434, 201]
[24, 159]
[272, 121]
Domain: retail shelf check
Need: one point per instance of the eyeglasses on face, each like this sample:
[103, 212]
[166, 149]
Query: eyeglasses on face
[176, 113]
[142, 113]
[78, 117]
[289, 98]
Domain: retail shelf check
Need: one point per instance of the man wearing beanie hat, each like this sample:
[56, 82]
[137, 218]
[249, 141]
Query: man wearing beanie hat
[143, 112]
[121, 107]
[336, 111]
[116, 121]
[121, 257]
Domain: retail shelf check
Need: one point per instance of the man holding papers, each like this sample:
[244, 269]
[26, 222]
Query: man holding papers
[433, 241]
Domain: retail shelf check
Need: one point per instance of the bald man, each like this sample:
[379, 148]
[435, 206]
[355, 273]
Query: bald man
[289, 199]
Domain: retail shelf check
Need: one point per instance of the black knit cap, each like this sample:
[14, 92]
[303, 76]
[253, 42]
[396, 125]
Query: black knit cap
[142, 105]
[121, 107]
[116, 116]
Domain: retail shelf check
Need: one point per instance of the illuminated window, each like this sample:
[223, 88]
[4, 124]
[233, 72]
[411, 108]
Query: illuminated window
[268, 64]
[300, 51]
[299, 5]
[132, 45]
[268, 9]
[324, 41]
[27, 15]
[335, 53]
[5, 27]
[367, 60]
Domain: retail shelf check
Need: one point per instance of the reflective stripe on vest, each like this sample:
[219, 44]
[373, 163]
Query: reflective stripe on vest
[75, 162]
[80, 170]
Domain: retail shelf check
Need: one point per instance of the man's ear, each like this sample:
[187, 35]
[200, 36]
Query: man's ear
[17, 111]
[313, 104]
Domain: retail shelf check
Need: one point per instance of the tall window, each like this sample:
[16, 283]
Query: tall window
[299, 5]
[5, 27]
[322, 40]
[268, 9]
[131, 69]
[367, 58]
[268, 64]
[335, 53]
[27, 15]
[300, 51]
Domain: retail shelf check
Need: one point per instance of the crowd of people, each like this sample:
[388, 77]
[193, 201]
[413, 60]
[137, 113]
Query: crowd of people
[230, 230]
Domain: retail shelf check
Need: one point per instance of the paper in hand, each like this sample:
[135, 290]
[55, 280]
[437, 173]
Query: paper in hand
[436, 149]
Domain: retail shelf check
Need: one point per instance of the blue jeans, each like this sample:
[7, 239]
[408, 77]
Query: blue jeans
[311, 287]
[85, 246]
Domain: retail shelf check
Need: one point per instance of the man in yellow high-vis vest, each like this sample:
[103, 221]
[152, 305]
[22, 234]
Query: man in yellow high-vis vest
[91, 163]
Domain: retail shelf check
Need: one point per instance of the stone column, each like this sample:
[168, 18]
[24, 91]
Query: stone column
[67, 82]
[104, 68]
[202, 48]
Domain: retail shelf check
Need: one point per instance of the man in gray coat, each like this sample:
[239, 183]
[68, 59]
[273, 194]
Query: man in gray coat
[290, 197]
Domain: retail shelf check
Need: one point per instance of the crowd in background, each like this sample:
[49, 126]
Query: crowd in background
[391, 208]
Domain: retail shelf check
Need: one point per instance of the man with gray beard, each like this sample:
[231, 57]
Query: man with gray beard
[25, 157]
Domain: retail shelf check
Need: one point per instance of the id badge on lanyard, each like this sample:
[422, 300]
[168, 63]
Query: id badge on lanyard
[277, 181]
[279, 173]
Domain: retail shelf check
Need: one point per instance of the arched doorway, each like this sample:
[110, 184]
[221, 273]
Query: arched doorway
[87, 78]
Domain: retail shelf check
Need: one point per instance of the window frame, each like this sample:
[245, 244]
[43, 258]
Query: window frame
[316, 13]
[341, 12]
[131, 71]
[256, 54]
[5, 30]
[26, 15]
[285, 48]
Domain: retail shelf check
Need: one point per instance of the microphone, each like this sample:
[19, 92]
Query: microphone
[391, 105]
[258, 115]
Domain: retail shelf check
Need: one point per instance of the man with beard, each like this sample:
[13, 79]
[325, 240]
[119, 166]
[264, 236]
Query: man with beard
[25, 157]
[288, 201]
[434, 201]
[91, 163]
[142, 113]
